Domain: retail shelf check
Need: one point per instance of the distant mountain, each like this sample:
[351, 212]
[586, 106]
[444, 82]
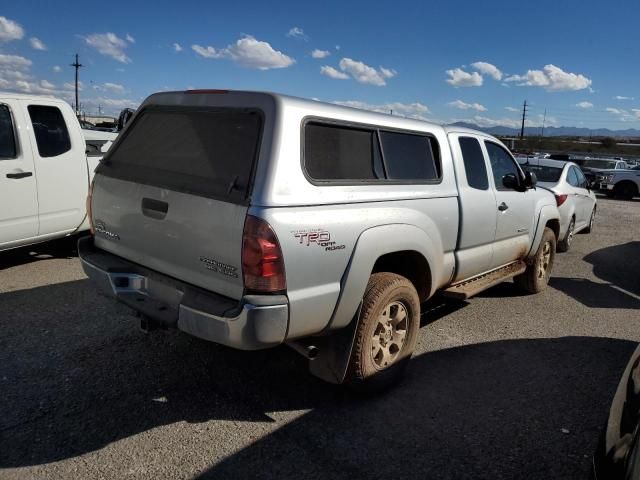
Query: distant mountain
[554, 131]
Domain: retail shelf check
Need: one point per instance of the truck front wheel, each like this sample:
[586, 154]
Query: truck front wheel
[536, 276]
[386, 333]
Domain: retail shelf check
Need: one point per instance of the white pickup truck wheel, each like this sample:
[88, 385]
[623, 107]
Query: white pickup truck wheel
[386, 333]
[537, 274]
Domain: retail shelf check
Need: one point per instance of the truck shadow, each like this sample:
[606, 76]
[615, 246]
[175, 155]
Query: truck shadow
[77, 379]
[618, 265]
[60, 248]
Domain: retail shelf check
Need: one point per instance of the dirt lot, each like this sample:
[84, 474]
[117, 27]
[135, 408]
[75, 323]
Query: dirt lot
[496, 383]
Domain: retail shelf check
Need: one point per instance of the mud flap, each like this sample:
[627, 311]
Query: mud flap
[334, 352]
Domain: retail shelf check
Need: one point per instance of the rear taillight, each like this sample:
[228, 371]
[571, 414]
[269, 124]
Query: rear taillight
[560, 199]
[262, 262]
[89, 211]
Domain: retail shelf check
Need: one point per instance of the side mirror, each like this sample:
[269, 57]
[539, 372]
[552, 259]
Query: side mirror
[530, 179]
[510, 181]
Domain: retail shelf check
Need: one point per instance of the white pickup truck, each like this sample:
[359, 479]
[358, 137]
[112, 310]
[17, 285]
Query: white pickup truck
[44, 170]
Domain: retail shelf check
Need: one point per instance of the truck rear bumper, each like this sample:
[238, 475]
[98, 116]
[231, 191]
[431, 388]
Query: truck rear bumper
[255, 322]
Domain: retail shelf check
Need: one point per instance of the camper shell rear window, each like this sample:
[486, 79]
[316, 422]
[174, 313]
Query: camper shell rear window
[208, 152]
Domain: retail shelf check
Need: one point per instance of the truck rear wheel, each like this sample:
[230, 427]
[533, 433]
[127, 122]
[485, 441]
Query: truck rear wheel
[536, 276]
[386, 333]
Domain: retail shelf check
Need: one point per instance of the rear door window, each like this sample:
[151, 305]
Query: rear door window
[208, 152]
[50, 130]
[8, 148]
[572, 178]
[474, 164]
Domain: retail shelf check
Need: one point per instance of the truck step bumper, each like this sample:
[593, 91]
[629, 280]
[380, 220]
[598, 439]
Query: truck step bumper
[255, 322]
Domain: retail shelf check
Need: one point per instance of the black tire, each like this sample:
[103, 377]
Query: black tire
[565, 243]
[536, 276]
[592, 219]
[381, 350]
[625, 190]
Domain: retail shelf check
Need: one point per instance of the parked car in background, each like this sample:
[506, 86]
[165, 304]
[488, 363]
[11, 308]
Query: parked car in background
[593, 166]
[618, 453]
[264, 219]
[44, 170]
[575, 199]
[620, 183]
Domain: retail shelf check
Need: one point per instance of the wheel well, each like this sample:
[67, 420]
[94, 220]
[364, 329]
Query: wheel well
[411, 265]
[623, 183]
[555, 226]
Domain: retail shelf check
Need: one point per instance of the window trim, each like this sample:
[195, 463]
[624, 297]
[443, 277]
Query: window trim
[66, 126]
[104, 165]
[332, 122]
[518, 168]
[16, 141]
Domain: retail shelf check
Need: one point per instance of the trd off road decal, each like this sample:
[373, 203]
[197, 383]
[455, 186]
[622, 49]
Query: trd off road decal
[318, 237]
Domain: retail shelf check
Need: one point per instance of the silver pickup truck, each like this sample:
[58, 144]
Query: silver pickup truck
[254, 219]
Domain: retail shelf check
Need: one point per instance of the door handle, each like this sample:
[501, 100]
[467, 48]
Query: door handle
[19, 175]
[503, 206]
[154, 208]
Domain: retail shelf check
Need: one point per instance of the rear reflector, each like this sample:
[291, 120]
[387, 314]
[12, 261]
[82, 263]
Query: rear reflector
[262, 262]
[560, 199]
[205, 91]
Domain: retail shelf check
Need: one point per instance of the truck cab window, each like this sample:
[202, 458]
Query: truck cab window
[502, 164]
[474, 165]
[7, 138]
[50, 130]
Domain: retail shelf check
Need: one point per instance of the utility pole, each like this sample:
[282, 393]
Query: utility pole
[524, 115]
[77, 66]
[544, 118]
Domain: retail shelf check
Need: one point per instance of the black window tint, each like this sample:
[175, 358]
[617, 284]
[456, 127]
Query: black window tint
[572, 178]
[7, 137]
[339, 153]
[50, 130]
[206, 152]
[474, 165]
[501, 163]
[409, 157]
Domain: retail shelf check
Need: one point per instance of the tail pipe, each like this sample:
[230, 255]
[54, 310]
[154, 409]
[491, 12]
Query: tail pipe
[306, 350]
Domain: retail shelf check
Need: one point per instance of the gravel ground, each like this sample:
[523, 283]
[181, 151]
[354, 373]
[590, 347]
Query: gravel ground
[502, 386]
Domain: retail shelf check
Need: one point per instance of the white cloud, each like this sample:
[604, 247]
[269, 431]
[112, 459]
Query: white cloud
[177, 47]
[56, 68]
[130, 39]
[584, 105]
[620, 97]
[460, 78]
[109, 87]
[333, 73]
[636, 112]
[207, 52]
[47, 84]
[14, 62]
[512, 109]
[320, 53]
[616, 111]
[488, 69]
[37, 44]
[468, 106]
[108, 44]
[363, 73]
[551, 78]
[297, 32]
[250, 53]
[410, 110]
[10, 30]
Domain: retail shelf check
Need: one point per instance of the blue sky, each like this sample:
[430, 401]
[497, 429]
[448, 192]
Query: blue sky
[446, 61]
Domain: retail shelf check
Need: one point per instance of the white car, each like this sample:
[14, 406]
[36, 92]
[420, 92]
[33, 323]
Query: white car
[576, 201]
